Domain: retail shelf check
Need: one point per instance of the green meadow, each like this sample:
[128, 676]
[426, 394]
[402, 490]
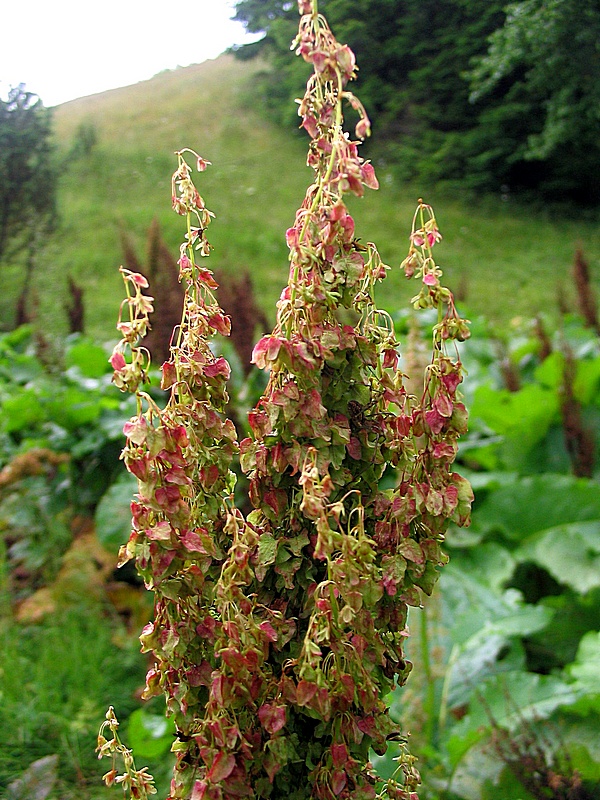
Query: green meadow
[506, 259]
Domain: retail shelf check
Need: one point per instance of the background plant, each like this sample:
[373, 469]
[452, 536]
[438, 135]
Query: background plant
[28, 181]
[459, 88]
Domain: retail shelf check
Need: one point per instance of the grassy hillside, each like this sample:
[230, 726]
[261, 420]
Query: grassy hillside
[509, 261]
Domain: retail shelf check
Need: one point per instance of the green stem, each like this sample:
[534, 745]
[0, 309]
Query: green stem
[429, 703]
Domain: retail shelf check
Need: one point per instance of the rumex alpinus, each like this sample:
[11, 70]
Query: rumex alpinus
[276, 637]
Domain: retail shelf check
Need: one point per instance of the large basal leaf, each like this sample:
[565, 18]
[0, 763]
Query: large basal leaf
[483, 775]
[522, 418]
[22, 411]
[537, 504]
[581, 741]
[90, 359]
[113, 514]
[508, 701]
[587, 381]
[586, 671]
[570, 553]
[73, 408]
[150, 735]
[490, 563]
[486, 635]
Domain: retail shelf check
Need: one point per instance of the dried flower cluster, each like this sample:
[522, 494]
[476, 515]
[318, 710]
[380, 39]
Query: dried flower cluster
[277, 637]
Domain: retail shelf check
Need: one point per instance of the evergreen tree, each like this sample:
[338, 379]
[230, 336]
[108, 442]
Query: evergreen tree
[28, 180]
[27, 174]
[539, 90]
[467, 91]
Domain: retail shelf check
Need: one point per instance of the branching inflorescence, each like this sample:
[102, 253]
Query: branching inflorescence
[276, 638]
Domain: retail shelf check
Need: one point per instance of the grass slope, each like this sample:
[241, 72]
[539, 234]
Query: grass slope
[511, 261]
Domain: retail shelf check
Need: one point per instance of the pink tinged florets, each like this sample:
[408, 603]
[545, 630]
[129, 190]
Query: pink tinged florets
[272, 717]
[220, 323]
[363, 128]
[435, 420]
[309, 123]
[117, 360]
[184, 262]
[137, 279]
[220, 367]
[269, 631]
[419, 238]
[266, 350]
[390, 358]
[338, 781]
[319, 58]
[192, 542]
[368, 176]
[291, 237]
[222, 767]
[136, 429]
[430, 279]
[327, 115]
[199, 790]
[339, 754]
[347, 224]
[338, 211]
[324, 145]
[346, 61]
[305, 7]
[159, 532]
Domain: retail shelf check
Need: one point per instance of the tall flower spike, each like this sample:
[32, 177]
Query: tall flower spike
[277, 638]
[180, 455]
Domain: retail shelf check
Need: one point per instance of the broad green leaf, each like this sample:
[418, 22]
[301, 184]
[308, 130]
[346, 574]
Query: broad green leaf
[556, 645]
[587, 381]
[485, 628]
[89, 358]
[486, 637]
[22, 411]
[483, 775]
[522, 417]
[538, 503]
[570, 553]
[489, 563]
[509, 700]
[20, 368]
[480, 765]
[579, 738]
[267, 549]
[113, 514]
[586, 667]
[72, 408]
[550, 372]
[150, 735]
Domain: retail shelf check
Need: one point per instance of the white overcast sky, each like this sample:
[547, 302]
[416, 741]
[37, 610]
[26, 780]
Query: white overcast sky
[63, 49]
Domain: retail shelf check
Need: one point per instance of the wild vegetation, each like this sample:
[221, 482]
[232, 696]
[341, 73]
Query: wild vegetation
[481, 95]
[504, 699]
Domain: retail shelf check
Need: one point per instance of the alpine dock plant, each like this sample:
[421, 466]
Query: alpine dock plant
[277, 637]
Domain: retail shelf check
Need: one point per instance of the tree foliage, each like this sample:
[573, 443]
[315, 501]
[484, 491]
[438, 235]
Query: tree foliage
[27, 172]
[471, 92]
[411, 53]
[541, 76]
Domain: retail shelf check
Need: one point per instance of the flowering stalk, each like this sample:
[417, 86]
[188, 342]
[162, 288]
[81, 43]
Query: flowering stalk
[278, 637]
[135, 782]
